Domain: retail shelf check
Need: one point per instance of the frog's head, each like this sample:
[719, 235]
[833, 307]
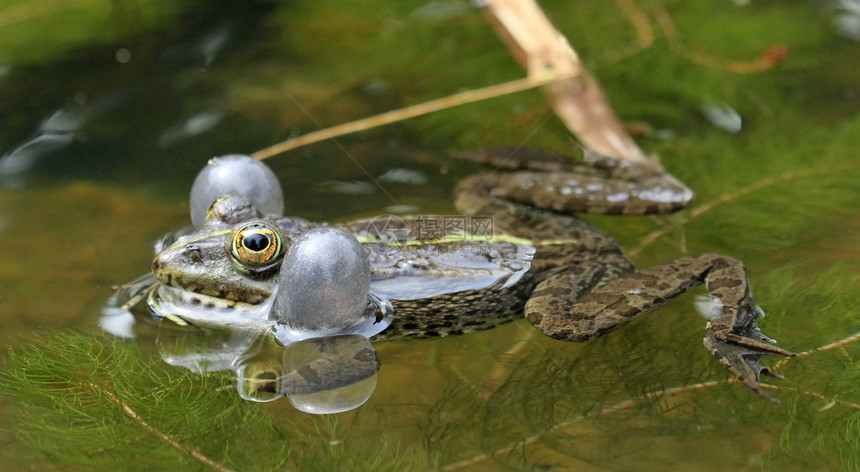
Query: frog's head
[235, 255]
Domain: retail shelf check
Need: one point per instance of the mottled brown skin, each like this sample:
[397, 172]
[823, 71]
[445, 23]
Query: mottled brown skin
[593, 288]
[339, 361]
[580, 285]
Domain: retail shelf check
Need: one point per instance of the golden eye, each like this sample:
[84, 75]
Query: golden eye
[256, 246]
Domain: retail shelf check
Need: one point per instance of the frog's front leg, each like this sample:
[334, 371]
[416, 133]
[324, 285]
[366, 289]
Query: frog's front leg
[732, 334]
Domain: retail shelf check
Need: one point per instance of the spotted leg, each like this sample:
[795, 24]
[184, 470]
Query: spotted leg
[731, 335]
[597, 185]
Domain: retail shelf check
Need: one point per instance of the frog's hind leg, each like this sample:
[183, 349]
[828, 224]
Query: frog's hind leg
[598, 184]
[517, 158]
[570, 192]
[550, 302]
[732, 334]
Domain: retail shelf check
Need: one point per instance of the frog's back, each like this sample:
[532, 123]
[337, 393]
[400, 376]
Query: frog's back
[445, 282]
[454, 287]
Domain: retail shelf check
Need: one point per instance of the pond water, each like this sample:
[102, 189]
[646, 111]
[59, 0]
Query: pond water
[109, 109]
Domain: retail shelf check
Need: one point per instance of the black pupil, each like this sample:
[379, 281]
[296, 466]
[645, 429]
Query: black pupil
[255, 242]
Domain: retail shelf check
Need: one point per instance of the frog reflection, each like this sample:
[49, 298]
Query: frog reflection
[318, 375]
[303, 345]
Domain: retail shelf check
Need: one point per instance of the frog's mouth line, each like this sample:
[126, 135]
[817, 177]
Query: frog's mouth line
[185, 308]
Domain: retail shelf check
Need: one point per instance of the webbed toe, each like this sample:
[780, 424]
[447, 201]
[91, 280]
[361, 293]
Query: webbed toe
[741, 355]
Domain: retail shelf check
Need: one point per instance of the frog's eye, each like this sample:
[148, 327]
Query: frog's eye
[256, 247]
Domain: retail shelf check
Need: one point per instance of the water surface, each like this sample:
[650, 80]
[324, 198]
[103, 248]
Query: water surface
[110, 108]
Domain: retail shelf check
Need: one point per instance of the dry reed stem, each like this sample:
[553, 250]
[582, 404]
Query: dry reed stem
[571, 89]
[728, 197]
[639, 21]
[622, 405]
[576, 96]
[163, 436]
[826, 347]
[413, 111]
[632, 402]
[501, 373]
[770, 58]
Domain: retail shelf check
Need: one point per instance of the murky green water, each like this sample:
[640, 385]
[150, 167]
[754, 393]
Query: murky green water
[108, 110]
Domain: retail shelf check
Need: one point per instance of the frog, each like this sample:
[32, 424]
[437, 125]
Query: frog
[540, 261]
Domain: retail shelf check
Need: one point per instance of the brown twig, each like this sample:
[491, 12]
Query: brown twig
[770, 58]
[629, 403]
[551, 63]
[826, 347]
[819, 396]
[413, 111]
[728, 197]
[664, 20]
[639, 21]
[501, 372]
[163, 436]
[577, 99]
[632, 402]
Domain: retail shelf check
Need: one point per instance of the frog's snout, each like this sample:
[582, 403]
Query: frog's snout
[166, 262]
[161, 267]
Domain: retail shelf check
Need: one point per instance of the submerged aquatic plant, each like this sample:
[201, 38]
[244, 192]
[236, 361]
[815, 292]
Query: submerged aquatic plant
[98, 402]
[95, 401]
[91, 401]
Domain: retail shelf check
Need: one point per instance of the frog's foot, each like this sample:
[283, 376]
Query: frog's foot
[732, 334]
[740, 350]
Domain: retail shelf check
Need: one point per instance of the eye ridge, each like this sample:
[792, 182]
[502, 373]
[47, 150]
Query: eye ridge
[210, 210]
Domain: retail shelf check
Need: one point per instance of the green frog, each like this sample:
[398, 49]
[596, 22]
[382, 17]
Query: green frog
[570, 280]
